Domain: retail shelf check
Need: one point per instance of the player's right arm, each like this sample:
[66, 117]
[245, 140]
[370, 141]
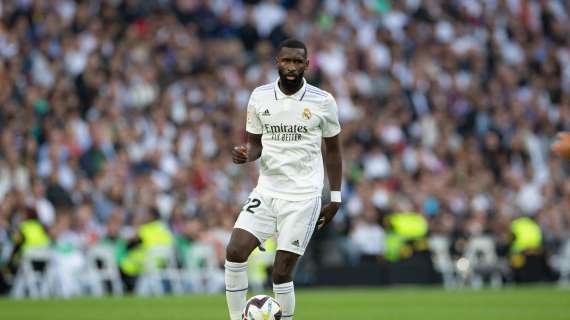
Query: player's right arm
[249, 152]
[252, 150]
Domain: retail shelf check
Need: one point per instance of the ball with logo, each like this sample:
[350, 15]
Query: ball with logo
[262, 307]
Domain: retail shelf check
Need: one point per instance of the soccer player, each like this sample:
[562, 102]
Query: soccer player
[286, 122]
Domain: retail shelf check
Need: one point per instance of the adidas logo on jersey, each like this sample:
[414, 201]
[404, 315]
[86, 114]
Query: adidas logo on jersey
[295, 243]
[266, 113]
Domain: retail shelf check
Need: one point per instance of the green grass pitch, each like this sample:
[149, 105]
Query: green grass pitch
[316, 304]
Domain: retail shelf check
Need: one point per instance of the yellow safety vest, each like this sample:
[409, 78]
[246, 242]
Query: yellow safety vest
[406, 226]
[34, 235]
[151, 234]
[409, 225]
[528, 235]
[155, 234]
[258, 263]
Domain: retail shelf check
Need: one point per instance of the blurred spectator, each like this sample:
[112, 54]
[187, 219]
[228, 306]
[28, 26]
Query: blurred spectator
[368, 236]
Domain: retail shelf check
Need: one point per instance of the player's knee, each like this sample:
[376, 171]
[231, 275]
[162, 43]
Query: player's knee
[281, 275]
[234, 254]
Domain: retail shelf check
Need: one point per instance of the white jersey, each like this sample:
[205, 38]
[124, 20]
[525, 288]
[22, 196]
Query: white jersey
[292, 128]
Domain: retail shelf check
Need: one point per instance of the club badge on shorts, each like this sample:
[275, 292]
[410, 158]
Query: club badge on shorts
[306, 114]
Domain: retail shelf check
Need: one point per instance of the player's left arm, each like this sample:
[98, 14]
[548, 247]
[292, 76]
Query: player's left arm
[333, 159]
[333, 163]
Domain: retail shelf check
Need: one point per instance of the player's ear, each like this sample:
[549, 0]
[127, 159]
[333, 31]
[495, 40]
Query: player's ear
[277, 56]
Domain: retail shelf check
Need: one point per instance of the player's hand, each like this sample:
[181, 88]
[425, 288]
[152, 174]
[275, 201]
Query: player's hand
[239, 154]
[562, 146]
[327, 214]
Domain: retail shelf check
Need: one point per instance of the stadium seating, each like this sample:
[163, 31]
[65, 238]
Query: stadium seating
[35, 278]
[442, 261]
[160, 272]
[561, 263]
[103, 270]
[481, 262]
[201, 270]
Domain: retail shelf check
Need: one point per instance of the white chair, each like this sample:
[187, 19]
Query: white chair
[68, 271]
[561, 263]
[6, 246]
[482, 260]
[160, 267]
[102, 269]
[34, 277]
[442, 261]
[201, 269]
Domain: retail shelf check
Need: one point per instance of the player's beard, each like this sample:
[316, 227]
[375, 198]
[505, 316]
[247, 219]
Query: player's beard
[291, 85]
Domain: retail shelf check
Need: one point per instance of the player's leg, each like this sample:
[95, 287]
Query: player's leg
[296, 222]
[283, 287]
[255, 224]
[241, 244]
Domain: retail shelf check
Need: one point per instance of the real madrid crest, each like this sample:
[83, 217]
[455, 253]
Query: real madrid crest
[306, 114]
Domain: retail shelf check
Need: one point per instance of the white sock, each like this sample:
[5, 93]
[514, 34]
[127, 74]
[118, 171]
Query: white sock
[285, 295]
[236, 288]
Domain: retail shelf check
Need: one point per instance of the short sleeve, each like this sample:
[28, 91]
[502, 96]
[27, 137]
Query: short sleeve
[253, 125]
[330, 126]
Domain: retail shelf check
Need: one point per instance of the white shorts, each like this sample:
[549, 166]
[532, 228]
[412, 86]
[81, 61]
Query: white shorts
[292, 222]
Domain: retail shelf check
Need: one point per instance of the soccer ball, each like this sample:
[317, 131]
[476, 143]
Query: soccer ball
[262, 307]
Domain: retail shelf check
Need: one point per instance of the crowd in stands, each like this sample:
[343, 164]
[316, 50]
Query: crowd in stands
[109, 108]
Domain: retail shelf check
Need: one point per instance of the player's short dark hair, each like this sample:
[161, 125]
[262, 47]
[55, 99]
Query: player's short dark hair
[292, 43]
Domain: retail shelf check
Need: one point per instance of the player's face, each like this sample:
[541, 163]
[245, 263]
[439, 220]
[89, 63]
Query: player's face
[292, 63]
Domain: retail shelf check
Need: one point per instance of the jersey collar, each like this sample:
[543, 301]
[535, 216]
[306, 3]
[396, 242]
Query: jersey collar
[297, 95]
